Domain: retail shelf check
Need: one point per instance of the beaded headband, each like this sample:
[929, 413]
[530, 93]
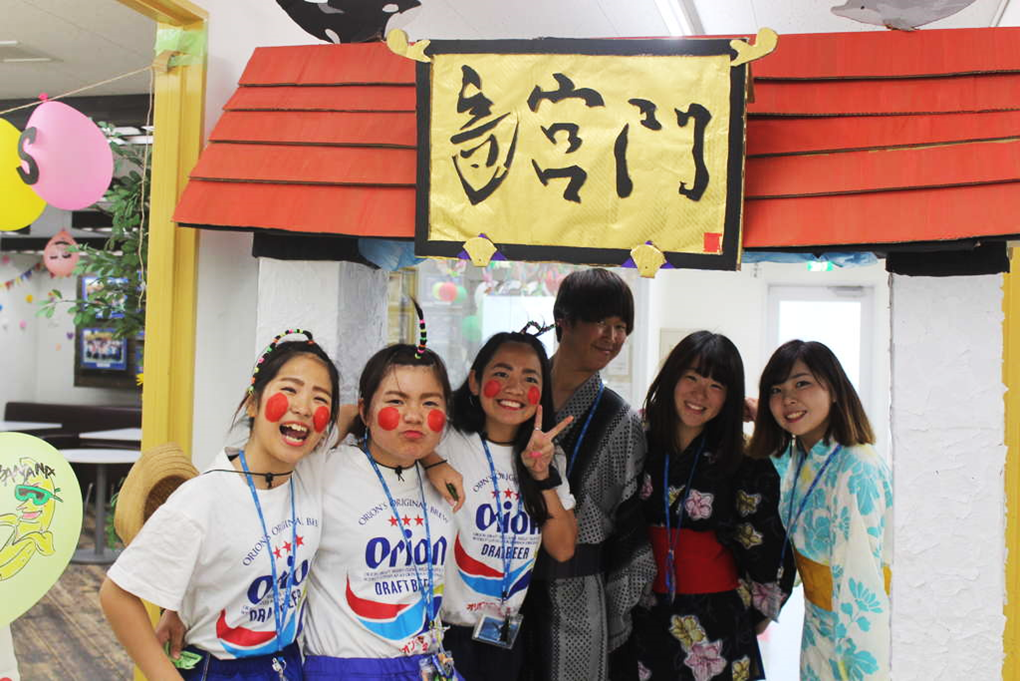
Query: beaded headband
[272, 346]
[539, 329]
[423, 335]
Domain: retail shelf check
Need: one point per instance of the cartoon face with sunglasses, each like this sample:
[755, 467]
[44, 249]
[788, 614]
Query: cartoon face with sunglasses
[28, 530]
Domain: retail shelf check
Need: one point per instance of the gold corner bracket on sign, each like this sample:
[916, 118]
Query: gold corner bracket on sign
[764, 44]
[480, 250]
[648, 259]
[399, 45]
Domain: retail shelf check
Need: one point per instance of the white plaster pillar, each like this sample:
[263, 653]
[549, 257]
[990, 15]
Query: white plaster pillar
[342, 303]
[947, 421]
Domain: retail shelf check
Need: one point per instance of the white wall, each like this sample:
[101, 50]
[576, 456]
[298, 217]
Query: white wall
[226, 339]
[947, 424]
[736, 304]
[18, 360]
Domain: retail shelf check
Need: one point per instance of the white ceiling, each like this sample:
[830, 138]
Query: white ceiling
[91, 40]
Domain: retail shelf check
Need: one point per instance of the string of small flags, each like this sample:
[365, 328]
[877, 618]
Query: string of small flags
[24, 276]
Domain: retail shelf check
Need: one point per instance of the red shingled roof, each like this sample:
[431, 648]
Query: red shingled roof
[317, 139]
[853, 139]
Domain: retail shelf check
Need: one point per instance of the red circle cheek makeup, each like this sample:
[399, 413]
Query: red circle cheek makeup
[276, 407]
[321, 419]
[437, 421]
[534, 395]
[492, 388]
[388, 418]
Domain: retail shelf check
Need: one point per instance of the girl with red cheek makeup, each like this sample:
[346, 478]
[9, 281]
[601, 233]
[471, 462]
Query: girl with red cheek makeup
[230, 550]
[517, 500]
[378, 583]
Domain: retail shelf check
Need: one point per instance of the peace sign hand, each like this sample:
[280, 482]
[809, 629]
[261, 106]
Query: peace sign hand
[539, 453]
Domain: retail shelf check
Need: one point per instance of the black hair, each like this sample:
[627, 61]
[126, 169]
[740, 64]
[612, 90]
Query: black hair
[848, 423]
[379, 365]
[270, 366]
[467, 415]
[714, 356]
[593, 295]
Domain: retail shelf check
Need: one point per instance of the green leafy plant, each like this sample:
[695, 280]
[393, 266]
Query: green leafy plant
[117, 297]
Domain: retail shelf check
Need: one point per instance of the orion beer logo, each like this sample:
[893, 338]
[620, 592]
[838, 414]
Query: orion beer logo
[488, 516]
[262, 587]
[381, 552]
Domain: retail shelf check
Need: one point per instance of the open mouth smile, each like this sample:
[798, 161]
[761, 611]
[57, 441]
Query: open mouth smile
[794, 416]
[294, 433]
[30, 515]
[510, 404]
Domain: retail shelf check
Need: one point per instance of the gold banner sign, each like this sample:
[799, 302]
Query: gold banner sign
[612, 152]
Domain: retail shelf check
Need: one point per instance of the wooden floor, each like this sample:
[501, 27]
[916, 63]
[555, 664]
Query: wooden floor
[65, 636]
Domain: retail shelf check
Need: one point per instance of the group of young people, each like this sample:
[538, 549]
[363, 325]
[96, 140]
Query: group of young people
[529, 525]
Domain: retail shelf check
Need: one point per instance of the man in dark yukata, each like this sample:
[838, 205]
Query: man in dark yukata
[578, 612]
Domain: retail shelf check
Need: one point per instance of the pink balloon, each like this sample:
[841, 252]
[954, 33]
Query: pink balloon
[448, 291]
[74, 159]
[56, 257]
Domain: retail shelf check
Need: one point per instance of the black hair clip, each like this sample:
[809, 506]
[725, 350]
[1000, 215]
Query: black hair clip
[539, 329]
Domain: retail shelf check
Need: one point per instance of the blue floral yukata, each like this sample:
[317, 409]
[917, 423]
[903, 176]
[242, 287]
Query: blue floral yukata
[843, 540]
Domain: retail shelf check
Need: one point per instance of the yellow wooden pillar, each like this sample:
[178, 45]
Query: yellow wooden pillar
[179, 109]
[1011, 378]
[168, 391]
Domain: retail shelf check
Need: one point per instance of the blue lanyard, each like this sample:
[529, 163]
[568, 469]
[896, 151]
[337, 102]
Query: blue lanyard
[791, 520]
[428, 598]
[670, 543]
[584, 429]
[280, 606]
[507, 557]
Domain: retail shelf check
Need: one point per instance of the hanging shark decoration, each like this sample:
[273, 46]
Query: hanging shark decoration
[903, 15]
[345, 21]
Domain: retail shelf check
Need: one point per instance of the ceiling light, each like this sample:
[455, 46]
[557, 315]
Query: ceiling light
[675, 16]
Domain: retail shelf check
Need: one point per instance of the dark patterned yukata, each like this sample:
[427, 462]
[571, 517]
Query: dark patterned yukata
[727, 554]
[579, 611]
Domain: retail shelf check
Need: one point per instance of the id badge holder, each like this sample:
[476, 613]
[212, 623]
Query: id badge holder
[498, 631]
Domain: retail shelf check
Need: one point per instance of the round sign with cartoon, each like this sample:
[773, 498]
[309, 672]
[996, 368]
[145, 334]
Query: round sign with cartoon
[40, 520]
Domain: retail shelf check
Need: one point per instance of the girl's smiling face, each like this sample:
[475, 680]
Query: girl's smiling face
[698, 399]
[509, 390]
[801, 405]
[290, 416]
[406, 415]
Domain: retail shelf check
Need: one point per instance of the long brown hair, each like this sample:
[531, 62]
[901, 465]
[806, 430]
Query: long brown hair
[714, 356]
[848, 424]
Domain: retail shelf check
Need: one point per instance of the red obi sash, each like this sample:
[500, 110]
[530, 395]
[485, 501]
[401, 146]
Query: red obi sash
[703, 565]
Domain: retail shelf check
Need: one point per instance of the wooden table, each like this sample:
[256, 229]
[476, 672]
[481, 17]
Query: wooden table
[123, 434]
[101, 458]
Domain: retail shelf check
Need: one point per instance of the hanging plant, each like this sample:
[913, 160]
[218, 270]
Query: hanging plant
[116, 298]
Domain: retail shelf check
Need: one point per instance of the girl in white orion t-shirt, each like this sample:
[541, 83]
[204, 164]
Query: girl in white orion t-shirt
[231, 549]
[517, 500]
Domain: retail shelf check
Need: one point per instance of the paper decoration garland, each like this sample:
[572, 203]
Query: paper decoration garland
[21, 206]
[24, 276]
[40, 520]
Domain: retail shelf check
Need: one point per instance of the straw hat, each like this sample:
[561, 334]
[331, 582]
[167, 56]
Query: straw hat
[153, 478]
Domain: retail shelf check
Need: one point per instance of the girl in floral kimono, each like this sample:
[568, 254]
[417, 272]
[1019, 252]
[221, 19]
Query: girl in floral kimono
[837, 508]
[713, 522]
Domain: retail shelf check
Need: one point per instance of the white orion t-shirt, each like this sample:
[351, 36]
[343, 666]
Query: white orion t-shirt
[203, 554]
[364, 594]
[474, 576]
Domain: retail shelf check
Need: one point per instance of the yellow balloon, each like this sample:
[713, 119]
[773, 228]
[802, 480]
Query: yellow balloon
[20, 206]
